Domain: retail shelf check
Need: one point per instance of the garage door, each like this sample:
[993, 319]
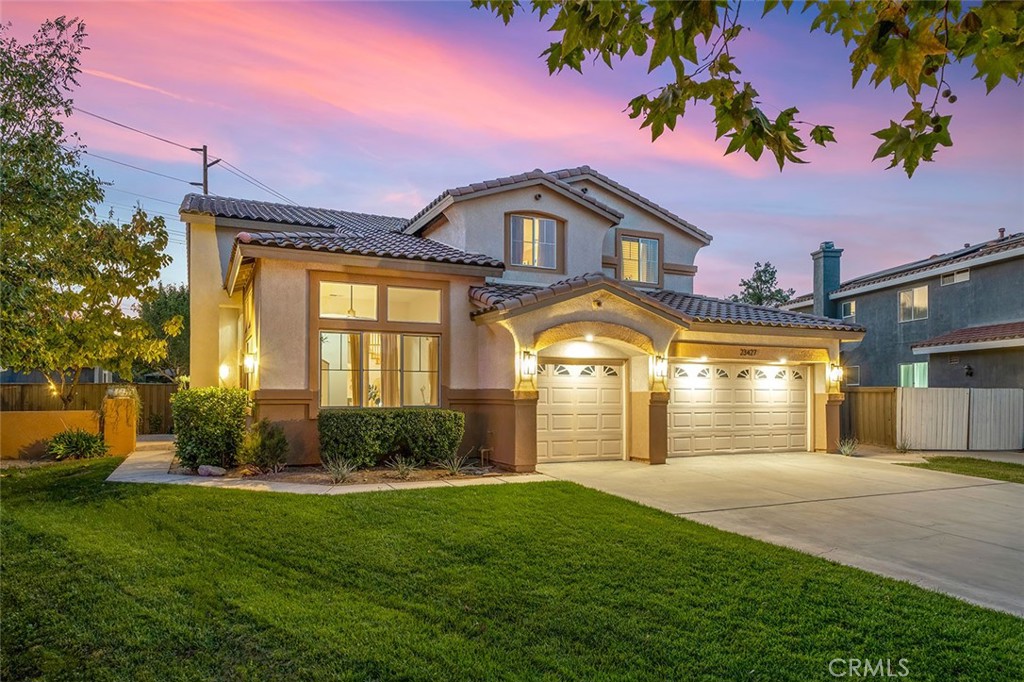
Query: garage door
[717, 409]
[579, 412]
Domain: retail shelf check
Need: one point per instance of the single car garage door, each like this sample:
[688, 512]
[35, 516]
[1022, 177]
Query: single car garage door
[579, 412]
[716, 409]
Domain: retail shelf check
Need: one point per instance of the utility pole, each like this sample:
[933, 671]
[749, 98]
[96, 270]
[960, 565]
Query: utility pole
[205, 184]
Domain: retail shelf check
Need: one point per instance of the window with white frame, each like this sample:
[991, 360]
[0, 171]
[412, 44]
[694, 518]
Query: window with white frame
[914, 375]
[955, 277]
[849, 311]
[913, 304]
[533, 242]
[639, 259]
[851, 375]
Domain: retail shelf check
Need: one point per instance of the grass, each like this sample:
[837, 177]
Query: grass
[526, 581]
[968, 466]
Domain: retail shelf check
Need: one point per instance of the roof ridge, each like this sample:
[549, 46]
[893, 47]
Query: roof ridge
[289, 206]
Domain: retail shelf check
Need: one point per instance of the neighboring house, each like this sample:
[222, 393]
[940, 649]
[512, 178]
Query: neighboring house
[553, 308]
[951, 320]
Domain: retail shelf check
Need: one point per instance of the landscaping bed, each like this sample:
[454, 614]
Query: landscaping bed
[317, 475]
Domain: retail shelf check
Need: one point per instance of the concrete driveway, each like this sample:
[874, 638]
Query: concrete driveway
[955, 534]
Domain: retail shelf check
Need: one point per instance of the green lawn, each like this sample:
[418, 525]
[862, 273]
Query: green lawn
[547, 580]
[968, 466]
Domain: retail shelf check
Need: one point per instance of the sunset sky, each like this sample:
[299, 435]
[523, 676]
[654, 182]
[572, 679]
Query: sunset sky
[379, 107]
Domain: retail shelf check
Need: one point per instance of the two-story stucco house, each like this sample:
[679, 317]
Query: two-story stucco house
[954, 320]
[555, 309]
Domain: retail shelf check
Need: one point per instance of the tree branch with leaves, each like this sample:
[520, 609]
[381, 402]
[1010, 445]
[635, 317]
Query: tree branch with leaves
[907, 44]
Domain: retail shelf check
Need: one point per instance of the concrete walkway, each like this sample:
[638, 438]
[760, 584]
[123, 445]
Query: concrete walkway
[152, 460]
[955, 534]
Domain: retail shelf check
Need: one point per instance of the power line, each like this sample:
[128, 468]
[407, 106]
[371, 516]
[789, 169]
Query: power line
[125, 191]
[236, 171]
[138, 168]
[128, 127]
[231, 168]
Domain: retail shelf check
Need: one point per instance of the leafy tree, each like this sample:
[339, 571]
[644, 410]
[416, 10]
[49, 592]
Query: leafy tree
[908, 44]
[67, 278]
[169, 303]
[763, 288]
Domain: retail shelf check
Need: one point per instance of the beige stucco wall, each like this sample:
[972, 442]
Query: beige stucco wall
[478, 225]
[213, 314]
[282, 310]
[680, 248]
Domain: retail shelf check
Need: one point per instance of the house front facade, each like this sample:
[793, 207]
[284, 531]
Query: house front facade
[554, 309]
[953, 320]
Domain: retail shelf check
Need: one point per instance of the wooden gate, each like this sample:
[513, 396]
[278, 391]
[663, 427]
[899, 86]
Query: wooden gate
[869, 415]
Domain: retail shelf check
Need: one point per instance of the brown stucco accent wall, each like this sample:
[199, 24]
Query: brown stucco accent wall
[499, 421]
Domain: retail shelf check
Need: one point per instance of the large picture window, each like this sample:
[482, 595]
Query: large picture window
[378, 369]
[533, 242]
[639, 259]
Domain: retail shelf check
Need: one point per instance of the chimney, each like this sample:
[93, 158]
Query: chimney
[826, 278]
[1002, 232]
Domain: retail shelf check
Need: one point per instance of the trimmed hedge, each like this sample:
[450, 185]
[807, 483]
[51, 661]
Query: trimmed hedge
[368, 436]
[210, 424]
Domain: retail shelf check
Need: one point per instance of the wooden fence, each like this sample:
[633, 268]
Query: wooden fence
[869, 415]
[156, 400]
[935, 418]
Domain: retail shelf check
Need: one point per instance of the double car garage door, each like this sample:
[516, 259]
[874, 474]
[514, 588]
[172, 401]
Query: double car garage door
[713, 409]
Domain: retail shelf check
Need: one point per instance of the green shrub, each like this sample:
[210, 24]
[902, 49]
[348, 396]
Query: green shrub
[402, 466]
[366, 437]
[340, 470]
[76, 444]
[156, 423]
[210, 424]
[264, 446]
[848, 446]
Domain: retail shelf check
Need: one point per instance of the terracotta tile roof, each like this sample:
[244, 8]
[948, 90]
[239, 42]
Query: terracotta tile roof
[797, 300]
[500, 296]
[990, 332]
[535, 174]
[707, 309]
[287, 214]
[583, 171]
[369, 243]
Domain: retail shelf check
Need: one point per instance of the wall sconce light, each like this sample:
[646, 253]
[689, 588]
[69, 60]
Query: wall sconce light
[660, 368]
[528, 364]
[835, 373]
[588, 338]
[224, 371]
[968, 371]
[249, 363]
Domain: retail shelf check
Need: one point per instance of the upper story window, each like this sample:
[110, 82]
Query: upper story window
[342, 300]
[849, 311]
[955, 277]
[640, 258]
[533, 242]
[914, 304]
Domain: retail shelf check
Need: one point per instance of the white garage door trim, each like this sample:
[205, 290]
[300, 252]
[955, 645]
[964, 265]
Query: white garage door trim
[736, 408]
[580, 411]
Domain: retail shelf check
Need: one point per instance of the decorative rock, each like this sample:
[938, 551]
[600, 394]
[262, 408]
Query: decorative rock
[208, 470]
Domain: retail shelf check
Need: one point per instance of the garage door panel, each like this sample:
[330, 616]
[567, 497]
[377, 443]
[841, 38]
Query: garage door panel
[735, 408]
[579, 412]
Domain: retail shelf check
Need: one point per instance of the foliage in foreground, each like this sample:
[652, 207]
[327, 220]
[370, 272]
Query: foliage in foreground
[908, 45]
[76, 444]
[366, 437]
[525, 581]
[210, 424]
[68, 278]
[264, 446]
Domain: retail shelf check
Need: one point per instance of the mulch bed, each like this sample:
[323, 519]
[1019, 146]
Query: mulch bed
[317, 475]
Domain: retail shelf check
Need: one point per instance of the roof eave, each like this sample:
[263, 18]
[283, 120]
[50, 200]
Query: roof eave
[969, 346]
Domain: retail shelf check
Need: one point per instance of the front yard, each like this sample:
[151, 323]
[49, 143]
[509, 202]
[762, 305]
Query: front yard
[969, 466]
[131, 581]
